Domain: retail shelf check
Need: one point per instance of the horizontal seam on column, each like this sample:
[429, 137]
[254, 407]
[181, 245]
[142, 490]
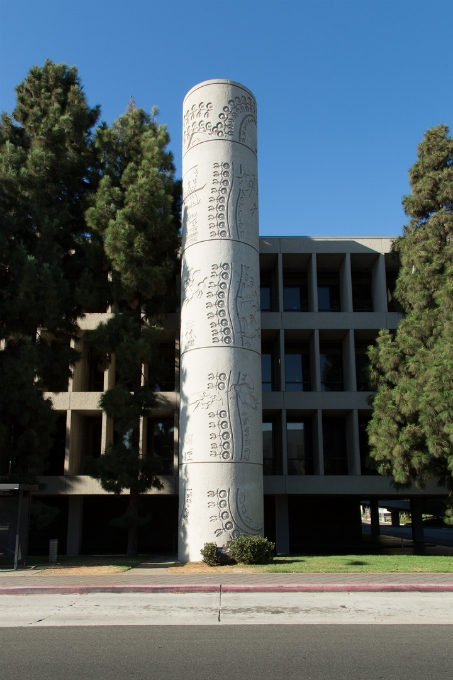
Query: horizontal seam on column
[221, 240]
[220, 347]
[217, 462]
[212, 82]
[221, 139]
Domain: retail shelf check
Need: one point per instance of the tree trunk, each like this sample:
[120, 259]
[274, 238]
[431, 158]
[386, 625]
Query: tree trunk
[132, 532]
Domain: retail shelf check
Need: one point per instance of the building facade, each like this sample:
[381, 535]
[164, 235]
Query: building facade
[323, 302]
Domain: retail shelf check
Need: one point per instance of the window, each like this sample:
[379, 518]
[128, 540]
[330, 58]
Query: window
[161, 439]
[267, 370]
[265, 298]
[268, 448]
[362, 300]
[297, 370]
[98, 364]
[367, 464]
[328, 292]
[55, 462]
[362, 366]
[334, 444]
[299, 447]
[295, 293]
[331, 359]
[165, 369]
[92, 440]
[267, 291]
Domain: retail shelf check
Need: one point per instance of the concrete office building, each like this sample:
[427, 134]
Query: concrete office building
[296, 448]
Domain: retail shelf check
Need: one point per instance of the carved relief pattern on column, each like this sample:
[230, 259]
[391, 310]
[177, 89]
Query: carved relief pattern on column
[236, 120]
[231, 305]
[229, 510]
[224, 407]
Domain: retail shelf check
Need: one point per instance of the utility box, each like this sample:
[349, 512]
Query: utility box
[15, 500]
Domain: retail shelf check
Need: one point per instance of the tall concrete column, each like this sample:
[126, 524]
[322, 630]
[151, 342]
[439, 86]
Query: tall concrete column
[220, 458]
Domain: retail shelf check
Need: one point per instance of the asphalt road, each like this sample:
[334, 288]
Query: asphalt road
[345, 652]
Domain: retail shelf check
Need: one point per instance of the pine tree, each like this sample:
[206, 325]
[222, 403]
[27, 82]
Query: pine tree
[136, 211]
[411, 431]
[47, 258]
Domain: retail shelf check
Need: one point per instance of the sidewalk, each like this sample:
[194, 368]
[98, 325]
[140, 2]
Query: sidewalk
[153, 577]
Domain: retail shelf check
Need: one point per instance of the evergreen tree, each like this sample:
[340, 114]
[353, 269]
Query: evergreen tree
[47, 174]
[411, 431]
[136, 211]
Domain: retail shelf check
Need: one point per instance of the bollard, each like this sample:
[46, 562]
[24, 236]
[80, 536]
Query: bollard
[53, 549]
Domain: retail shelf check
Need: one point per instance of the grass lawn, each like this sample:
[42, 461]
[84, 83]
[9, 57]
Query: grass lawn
[330, 564]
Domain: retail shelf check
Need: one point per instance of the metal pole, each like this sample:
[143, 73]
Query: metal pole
[19, 513]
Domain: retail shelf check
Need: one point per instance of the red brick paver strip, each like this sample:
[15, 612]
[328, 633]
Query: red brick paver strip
[159, 580]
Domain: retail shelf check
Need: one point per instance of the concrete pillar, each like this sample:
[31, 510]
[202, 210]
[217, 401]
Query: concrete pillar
[280, 297]
[348, 349]
[378, 285]
[281, 385]
[315, 361]
[318, 443]
[221, 458]
[374, 516]
[346, 284]
[281, 525]
[395, 513]
[75, 516]
[284, 441]
[75, 382]
[417, 520]
[312, 284]
[352, 431]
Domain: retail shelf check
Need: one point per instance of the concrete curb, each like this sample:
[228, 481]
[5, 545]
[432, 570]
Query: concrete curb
[221, 588]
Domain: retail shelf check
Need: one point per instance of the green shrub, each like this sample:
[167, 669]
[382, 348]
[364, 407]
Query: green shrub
[209, 554]
[251, 549]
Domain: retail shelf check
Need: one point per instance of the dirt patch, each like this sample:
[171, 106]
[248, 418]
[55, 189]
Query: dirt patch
[201, 568]
[64, 569]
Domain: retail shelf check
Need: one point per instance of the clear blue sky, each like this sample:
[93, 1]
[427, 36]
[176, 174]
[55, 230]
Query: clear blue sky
[345, 88]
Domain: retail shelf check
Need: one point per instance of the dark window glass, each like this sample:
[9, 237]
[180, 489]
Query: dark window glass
[297, 371]
[367, 464]
[55, 461]
[165, 370]
[268, 448]
[295, 294]
[265, 298]
[291, 298]
[328, 293]
[97, 366]
[267, 371]
[334, 443]
[362, 365]
[300, 449]
[92, 440]
[362, 300]
[331, 359]
[161, 437]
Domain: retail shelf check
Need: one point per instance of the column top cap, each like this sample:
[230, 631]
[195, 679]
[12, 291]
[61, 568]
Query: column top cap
[218, 81]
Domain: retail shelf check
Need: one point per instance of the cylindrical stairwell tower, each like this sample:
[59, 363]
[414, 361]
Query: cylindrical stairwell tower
[220, 461]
